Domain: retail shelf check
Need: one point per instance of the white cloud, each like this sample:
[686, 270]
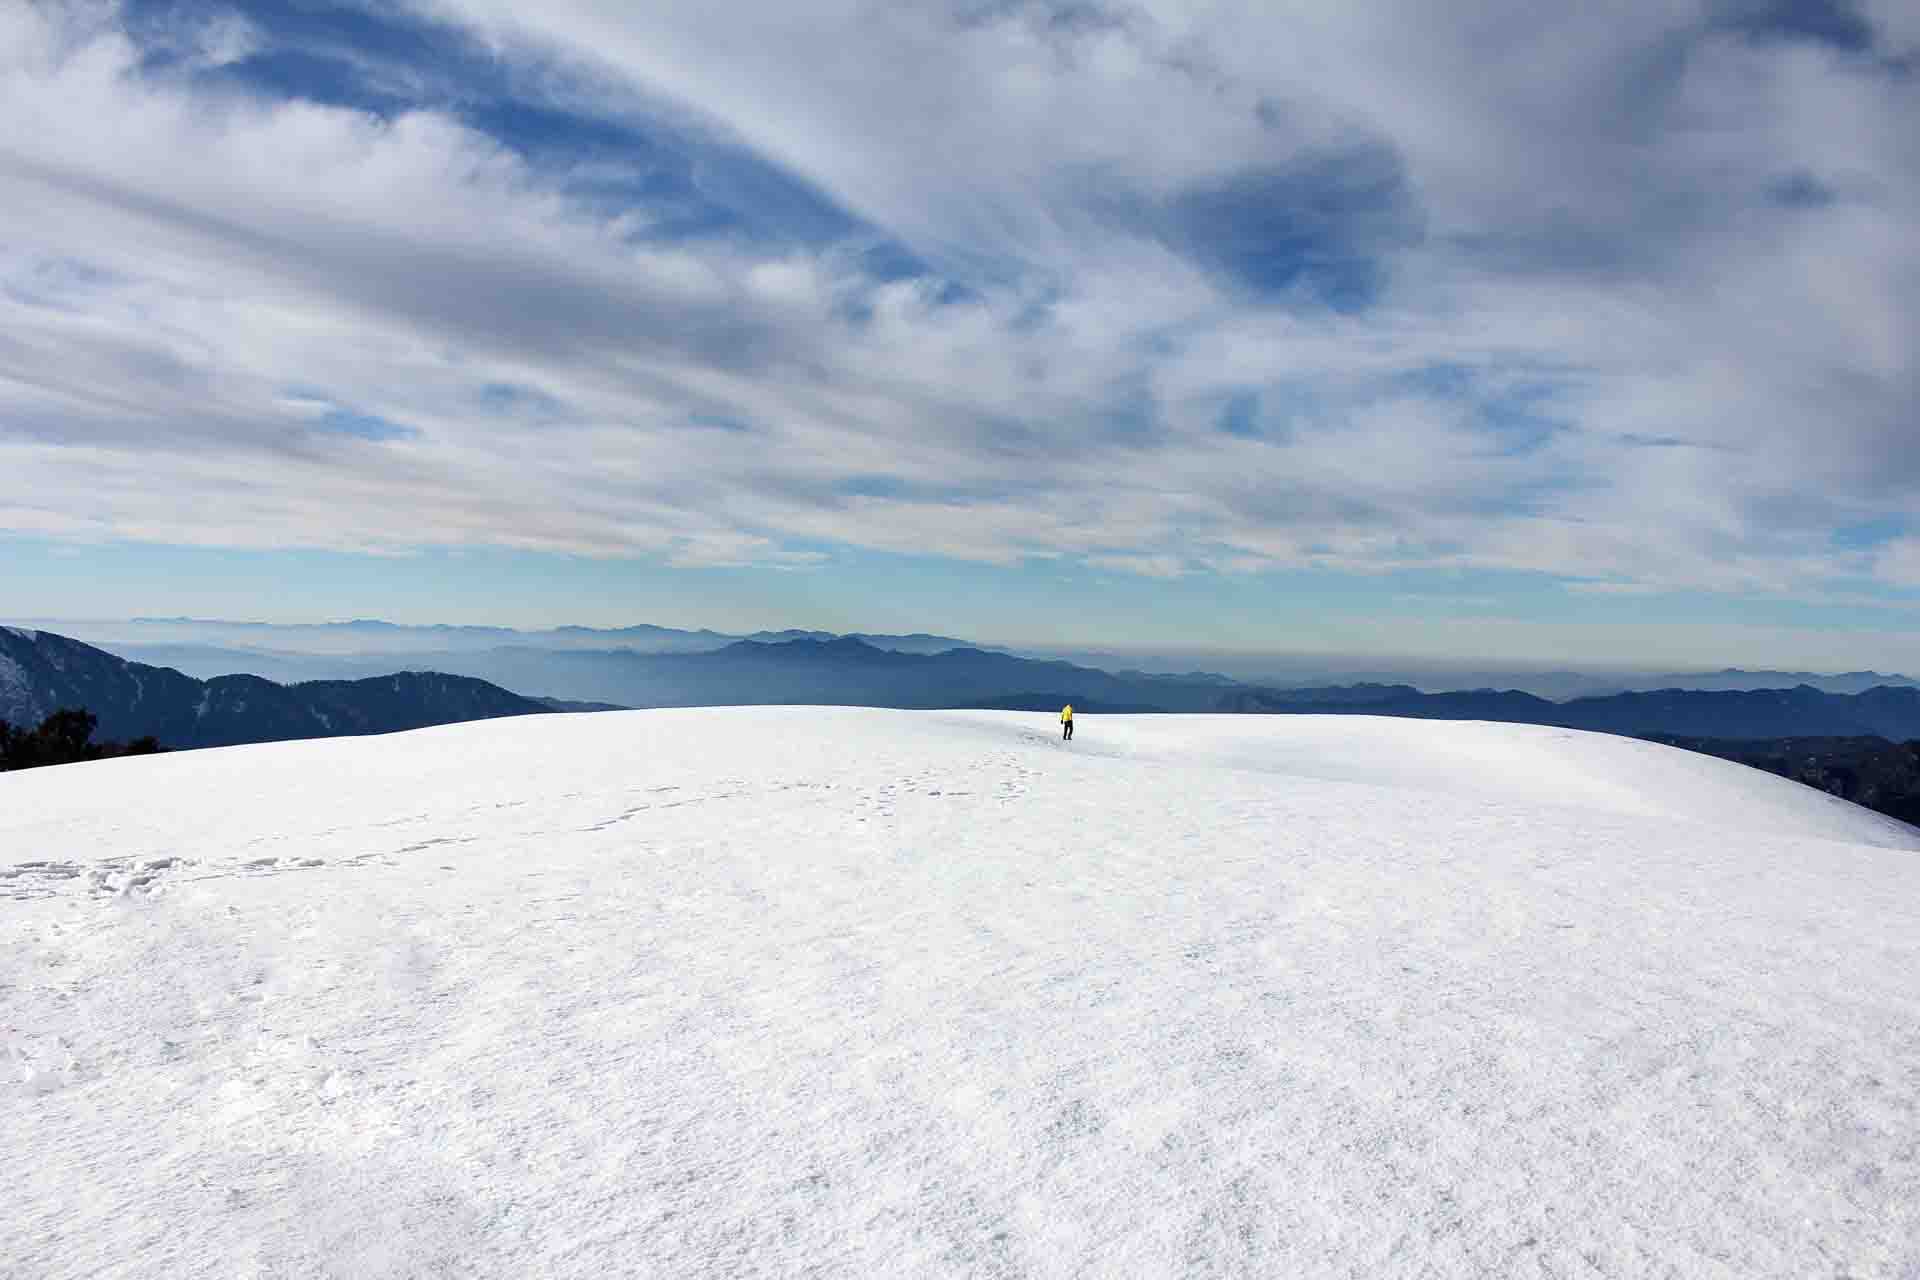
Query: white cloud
[1597, 342]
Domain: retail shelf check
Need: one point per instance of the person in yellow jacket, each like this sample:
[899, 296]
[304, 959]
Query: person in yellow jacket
[1066, 722]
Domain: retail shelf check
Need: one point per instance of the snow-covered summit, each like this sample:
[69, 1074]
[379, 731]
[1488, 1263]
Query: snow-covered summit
[823, 991]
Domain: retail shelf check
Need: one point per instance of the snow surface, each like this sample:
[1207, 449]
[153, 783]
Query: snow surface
[805, 991]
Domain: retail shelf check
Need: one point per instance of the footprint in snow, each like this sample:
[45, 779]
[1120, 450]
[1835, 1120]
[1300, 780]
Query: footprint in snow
[37, 1064]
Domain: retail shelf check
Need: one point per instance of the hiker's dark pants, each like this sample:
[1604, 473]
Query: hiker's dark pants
[1066, 730]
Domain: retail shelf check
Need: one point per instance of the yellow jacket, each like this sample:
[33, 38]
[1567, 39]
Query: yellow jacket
[1066, 714]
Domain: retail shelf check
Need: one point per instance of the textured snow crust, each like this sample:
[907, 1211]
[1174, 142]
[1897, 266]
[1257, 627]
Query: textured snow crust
[804, 991]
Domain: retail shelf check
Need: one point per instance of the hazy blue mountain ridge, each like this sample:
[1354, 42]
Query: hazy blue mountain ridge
[134, 699]
[205, 648]
[41, 672]
[373, 638]
[1891, 712]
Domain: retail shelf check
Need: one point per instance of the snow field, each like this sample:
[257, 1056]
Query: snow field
[819, 991]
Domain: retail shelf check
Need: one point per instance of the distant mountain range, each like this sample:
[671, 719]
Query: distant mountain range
[353, 649]
[1886, 711]
[373, 637]
[838, 671]
[41, 672]
[1563, 686]
[845, 670]
[1298, 671]
[1734, 679]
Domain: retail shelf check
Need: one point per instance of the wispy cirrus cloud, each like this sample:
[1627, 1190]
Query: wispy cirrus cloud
[1627, 297]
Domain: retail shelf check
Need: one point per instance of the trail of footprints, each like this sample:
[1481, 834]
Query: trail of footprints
[1013, 784]
[125, 877]
[128, 877]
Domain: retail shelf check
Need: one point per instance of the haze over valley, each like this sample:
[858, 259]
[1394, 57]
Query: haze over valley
[562, 657]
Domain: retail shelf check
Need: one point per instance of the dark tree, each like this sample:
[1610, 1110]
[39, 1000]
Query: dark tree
[65, 737]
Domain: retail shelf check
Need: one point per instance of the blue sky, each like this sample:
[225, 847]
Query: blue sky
[1482, 329]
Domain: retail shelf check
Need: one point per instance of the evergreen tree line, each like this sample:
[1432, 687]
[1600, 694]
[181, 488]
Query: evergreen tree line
[65, 737]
